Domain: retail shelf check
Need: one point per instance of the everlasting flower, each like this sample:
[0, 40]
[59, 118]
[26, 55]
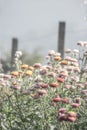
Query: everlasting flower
[71, 59]
[14, 73]
[37, 65]
[18, 54]
[63, 73]
[44, 85]
[54, 84]
[48, 67]
[62, 110]
[41, 91]
[57, 54]
[76, 69]
[69, 68]
[28, 72]
[61, 80]
[71, 119]
[72, 114]
[57, 58]
[62, 117]
[80, 43]
[51, 52]
[43, 71]
[51, 74]
[64, 62]
[56, 99]
[75, 51]
[24, 66]
[75, 105]
[20, 72]
[85, 43]
[65, 100]
[31, 68]
[67, 50]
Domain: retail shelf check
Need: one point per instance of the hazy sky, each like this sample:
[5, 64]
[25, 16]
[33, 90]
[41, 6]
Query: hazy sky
[35, 23]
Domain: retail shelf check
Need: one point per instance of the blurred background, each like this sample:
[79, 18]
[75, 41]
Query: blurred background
[35, 23]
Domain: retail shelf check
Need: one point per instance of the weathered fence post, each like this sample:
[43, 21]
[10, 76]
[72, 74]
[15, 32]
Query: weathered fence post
[13, 50]
[61, 38]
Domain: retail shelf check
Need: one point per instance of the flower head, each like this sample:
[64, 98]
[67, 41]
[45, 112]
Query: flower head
[54, 84]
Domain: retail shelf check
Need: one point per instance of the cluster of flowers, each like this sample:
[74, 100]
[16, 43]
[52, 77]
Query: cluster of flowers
[66, 116]
[61, 80]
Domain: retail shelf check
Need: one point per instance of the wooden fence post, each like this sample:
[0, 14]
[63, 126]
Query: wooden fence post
[61, 38]
[13, 50]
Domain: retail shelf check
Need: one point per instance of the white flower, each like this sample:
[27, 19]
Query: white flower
[51, 52]
[57, 54]
[80, 43]
[75, 51]
[85, 43]
[18, 54]
[67, 50]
